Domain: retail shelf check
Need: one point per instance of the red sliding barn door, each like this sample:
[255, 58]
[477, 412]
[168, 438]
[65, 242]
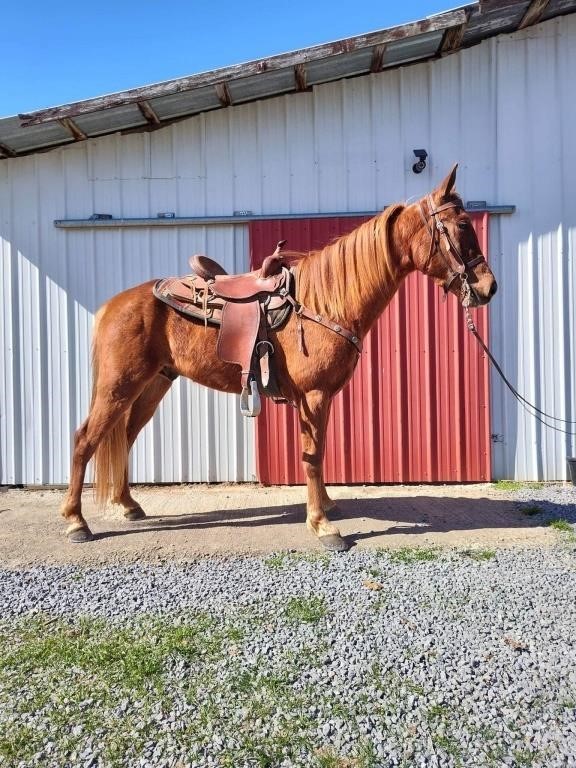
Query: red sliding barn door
[417, 407]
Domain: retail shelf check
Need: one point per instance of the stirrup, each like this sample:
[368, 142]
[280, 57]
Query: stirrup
[250, 404]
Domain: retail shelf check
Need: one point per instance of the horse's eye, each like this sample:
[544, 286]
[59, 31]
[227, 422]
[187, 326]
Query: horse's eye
[462, 225]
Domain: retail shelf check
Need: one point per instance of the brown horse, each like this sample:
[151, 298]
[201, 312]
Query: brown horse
[350, 281]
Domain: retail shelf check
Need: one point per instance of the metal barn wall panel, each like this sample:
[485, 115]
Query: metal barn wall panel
[53, 284]
[535, 311]
[417, 407]
[504, 109]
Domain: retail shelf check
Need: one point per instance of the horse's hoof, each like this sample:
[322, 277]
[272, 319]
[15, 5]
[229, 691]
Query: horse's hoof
[334, 543]
[135, 514]
[80, 536]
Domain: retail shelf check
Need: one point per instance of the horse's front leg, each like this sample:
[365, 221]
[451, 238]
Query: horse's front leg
[314, 408]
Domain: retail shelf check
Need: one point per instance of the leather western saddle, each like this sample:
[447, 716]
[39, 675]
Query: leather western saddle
[245, 307]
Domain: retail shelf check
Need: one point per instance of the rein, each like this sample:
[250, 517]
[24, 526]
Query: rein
[438, 232]
[526, 404]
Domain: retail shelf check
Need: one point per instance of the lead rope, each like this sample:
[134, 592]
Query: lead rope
[537, 413]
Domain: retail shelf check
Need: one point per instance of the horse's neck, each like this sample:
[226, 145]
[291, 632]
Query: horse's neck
[376, 297]
[352, 280]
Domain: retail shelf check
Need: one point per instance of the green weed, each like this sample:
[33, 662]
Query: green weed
[515, 485]
[524, 757]
[306, 609]
[409, 555]
[479, 554]
[561, 525]
[284, 559]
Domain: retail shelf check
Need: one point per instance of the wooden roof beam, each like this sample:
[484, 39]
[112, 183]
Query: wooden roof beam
[223, 94]
[73, 129]
[436, 23]
[452, 39]
[453, 36]
[377, 58]
[148, 112]
[6, 151]
[301, 77]
[533, 13]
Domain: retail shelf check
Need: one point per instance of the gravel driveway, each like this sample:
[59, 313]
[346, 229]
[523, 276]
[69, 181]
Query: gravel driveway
[458, 656]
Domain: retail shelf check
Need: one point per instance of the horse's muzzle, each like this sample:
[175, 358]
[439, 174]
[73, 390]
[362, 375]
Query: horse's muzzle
[479, 297]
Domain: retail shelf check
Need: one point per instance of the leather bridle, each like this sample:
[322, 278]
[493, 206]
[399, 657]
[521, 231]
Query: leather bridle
[438, 232]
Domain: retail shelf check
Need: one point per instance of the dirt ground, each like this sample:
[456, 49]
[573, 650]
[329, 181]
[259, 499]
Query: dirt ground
[189, 521]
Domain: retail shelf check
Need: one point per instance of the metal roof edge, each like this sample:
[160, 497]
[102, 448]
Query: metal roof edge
[436, 22]
[155, 106]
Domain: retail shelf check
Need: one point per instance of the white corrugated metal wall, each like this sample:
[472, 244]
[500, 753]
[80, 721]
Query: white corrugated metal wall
[504, 109]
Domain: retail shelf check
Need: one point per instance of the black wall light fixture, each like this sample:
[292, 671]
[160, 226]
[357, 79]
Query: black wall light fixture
[421, 154]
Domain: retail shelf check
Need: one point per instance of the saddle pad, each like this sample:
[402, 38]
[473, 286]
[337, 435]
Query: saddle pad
[238, 333]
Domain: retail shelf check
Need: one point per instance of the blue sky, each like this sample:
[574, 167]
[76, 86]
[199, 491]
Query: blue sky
[55, 53]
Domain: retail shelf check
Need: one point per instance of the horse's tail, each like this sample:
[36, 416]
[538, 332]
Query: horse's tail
[111, 455]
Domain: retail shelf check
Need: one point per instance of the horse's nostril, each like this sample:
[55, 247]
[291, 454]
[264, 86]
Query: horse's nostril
[493, 289]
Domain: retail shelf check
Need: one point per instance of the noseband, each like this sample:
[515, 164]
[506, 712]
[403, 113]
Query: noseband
[439, 231]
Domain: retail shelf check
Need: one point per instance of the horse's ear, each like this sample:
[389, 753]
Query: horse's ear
[448, 184]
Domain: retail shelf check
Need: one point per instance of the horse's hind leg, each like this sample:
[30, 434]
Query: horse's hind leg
[314, 409]
[140, 413]
[109, 406]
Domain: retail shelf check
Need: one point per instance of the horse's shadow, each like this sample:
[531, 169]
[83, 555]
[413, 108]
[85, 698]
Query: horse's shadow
[414, 515]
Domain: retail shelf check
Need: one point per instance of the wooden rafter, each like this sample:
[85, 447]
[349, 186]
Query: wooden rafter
[6, 151]
[533, 13]
[300, 77]
[452, 39]
[73, 129]
[228, 74]
[377, 58]
[148, 112]
[223, 94]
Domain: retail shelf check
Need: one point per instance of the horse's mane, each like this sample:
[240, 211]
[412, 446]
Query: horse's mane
[337, 280]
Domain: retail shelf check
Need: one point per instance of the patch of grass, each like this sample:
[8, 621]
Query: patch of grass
[524, 757]
[515, 485]
[278, 560]
[450, 746]
[531, 510]
[14, 743]
[561, 525]
[284, 559]
[379, 603]
[102, 678]
[328, 758]
[306, 609]
[366, 755]
[133, 657]
[409, 555]
[437, 712]
[508, 485]
[414, 687]
[479, 554]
